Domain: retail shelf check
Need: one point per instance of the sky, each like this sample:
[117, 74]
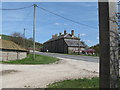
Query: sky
[48, 24]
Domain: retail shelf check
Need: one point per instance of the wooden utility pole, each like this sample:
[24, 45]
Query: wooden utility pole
[79, 44]
[34, 27]
[24, 37]
[109, 61]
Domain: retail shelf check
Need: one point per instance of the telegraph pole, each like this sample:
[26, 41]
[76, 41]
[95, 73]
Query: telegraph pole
[24, 37]
[78, 44]
[34, 27]
[109, 59]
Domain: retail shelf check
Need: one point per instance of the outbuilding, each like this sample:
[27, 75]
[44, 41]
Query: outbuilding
[11, 51]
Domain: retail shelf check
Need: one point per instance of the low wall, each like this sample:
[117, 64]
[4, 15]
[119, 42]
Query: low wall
[12, 55]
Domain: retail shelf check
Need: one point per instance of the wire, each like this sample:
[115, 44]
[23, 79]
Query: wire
[66, 18]
[23, 20]
[17, 8]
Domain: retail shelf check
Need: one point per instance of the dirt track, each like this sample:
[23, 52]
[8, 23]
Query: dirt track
[38, 76]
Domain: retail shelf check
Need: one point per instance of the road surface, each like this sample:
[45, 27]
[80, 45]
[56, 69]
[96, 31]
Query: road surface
[74, 57]
[39, 76]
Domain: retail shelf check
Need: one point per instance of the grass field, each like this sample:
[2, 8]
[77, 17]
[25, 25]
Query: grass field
[77, 83]
[39, 59]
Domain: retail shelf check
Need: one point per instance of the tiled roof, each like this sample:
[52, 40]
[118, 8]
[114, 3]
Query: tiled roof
[72, 42]
[63, 36]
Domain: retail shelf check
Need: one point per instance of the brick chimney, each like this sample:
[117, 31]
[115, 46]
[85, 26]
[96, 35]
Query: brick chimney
[72, 32]
[60, 34]
[53, 36]
[56, 35]
[65, 32]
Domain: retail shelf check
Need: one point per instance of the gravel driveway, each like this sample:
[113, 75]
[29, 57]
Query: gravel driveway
[38, 76]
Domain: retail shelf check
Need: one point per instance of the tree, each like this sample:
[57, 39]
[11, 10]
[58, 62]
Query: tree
[97, 49]
[17, 38]
[17, 34]
[30, 38]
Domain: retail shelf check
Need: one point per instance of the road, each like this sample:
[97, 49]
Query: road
[39, 76]
[73, 57]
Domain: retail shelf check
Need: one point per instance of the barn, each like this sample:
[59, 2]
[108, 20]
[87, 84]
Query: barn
[63, 43]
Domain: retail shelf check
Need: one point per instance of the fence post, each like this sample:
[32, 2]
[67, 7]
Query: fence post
[109, 62]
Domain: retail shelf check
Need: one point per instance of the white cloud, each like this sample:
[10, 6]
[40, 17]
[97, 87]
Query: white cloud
[57, 23]
[83, 34]
[87, 41]
[64, 24]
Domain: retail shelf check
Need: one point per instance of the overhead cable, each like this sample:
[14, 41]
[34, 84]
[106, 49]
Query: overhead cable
[17, 8]
[66, 18]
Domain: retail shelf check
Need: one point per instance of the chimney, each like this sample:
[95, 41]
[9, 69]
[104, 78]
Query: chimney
[64, 32]
[53, 36]
[56, 35]
[60, 34]
[72, 32]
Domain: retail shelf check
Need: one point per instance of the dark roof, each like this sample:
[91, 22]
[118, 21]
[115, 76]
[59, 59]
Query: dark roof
[69, 36]
[73, 43]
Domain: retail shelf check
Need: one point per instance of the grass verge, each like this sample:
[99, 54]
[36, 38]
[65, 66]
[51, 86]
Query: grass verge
[39, 59]
[77, 83]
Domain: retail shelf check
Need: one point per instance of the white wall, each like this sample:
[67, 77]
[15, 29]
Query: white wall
[11, 55]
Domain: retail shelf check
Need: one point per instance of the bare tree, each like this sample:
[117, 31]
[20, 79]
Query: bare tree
[17, 34]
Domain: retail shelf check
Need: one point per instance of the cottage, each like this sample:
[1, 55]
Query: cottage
[63, 43]
[11, 51]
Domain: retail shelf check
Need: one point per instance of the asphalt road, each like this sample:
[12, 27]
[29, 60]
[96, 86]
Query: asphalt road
[73, 57]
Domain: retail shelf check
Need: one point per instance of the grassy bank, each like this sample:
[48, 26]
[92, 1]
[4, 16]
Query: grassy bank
[39, 59]
[77, 83]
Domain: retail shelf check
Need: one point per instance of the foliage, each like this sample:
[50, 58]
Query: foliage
[86, 46]
[39, 59]
[77, 83]
[17, 34]
[97, 49]
[23, 42]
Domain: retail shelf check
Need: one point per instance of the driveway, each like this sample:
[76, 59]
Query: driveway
[39, 76]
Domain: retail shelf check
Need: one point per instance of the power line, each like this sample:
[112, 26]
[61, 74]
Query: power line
[23, 20]
[53, 14]
[17, 8]
[66, 18]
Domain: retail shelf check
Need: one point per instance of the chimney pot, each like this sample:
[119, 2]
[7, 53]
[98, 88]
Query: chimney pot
[65, 32]
[72, 32]
[56, 35]
[53, 36]
[60, 34]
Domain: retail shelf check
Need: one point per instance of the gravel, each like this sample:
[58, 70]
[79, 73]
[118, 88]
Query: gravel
[39, 76]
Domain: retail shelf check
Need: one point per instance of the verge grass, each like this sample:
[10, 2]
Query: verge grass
[77, 83]
[39, 59]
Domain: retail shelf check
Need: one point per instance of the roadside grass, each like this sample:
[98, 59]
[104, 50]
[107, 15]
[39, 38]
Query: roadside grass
[76, 83]
[39, 59]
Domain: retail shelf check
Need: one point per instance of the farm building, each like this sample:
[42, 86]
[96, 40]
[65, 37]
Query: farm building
[11, 51]
[64, 43]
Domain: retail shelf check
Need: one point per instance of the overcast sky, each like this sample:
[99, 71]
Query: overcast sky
[49, 24]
